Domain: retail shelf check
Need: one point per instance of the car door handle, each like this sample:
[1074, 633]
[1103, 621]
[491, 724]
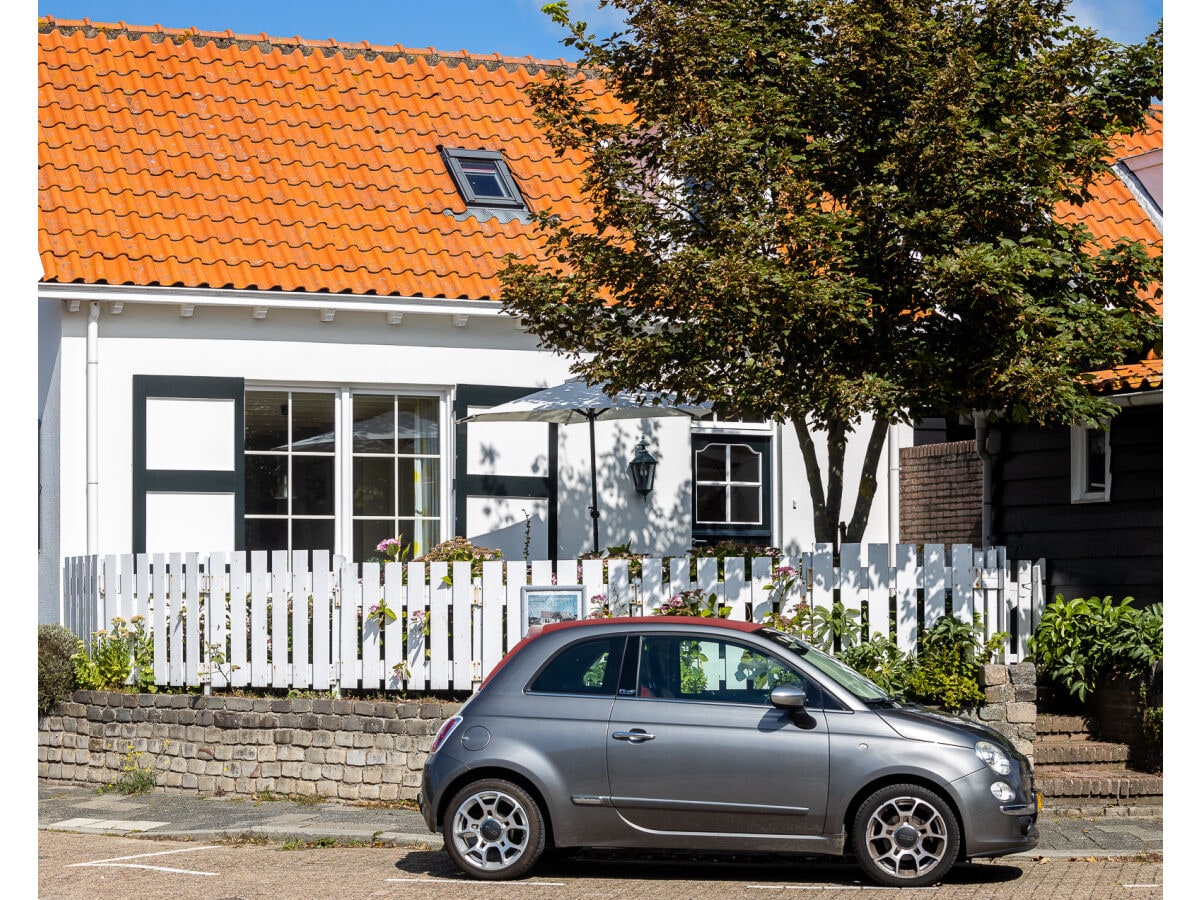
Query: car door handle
[636, 736]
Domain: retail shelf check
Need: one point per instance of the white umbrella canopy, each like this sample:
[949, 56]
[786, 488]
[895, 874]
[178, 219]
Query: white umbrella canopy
[577, 401]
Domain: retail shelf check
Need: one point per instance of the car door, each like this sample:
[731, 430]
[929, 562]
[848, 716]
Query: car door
[696, 746]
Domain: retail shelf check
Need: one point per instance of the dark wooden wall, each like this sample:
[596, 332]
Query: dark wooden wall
[1091, 548]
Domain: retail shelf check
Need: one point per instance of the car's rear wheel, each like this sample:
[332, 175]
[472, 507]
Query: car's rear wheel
[905, 835]
[494, 830]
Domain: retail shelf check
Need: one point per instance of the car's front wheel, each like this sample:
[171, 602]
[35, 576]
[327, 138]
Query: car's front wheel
[905, 835]
[493, 830]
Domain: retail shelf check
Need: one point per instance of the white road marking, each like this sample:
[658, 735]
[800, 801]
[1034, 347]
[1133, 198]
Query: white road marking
[473, 882]
[119, 862]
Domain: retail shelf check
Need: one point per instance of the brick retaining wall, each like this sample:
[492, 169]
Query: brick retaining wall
[344, 749]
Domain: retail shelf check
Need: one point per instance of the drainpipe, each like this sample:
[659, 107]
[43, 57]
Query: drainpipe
[93, 428]
[893, 439]
[981, 451]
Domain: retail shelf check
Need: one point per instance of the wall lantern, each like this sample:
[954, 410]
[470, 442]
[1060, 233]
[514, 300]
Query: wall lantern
[641, 468]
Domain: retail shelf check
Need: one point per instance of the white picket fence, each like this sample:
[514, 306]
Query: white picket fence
[450, 629]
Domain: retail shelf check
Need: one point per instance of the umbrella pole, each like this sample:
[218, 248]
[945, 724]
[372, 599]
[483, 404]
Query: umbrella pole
[595, 512]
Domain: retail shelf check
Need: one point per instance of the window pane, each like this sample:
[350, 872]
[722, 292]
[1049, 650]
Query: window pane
[744, 508]
[312, 534]
[427, 534]
[710, 503]
[312, 485]
[744, 464]
[367, 535]
[266, 486]
[312, 422]
[589, 667]
[374, 487]
[710, 463]
[482, 177]
[266, 420]
[1095, 459]
[266, 534]
[418, 432]
[374, 424]
[419, 487]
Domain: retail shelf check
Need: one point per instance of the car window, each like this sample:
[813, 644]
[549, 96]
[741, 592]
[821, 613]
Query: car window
[585, 667]
[682, 668]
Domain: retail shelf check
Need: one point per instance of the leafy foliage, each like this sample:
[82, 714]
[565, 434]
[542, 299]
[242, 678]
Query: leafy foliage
[56, 674]
[122, 655]
[693, 603]
[949, 661]
[883, 662]
[1079, 641]
[828, 211]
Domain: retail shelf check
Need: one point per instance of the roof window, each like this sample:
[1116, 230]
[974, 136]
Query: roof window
[483, 179]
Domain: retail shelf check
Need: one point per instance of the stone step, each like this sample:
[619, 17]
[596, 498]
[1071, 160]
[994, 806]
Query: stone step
[1079, 753]
[1060, 783]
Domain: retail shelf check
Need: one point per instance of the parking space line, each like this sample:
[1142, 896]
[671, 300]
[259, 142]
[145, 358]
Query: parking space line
[473, 882]
[121, 862]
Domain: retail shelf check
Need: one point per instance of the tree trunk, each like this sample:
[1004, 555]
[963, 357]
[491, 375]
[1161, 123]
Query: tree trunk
[827, 498]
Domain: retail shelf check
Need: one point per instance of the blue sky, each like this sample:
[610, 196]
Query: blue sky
[510, 27]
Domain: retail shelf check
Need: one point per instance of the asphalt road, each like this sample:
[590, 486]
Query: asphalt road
[87, 866]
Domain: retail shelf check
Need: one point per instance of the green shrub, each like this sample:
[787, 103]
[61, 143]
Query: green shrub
[459, 549]
[1078, 642]
[56, 675]
[883, 662]
[950, 658]
[121, 656]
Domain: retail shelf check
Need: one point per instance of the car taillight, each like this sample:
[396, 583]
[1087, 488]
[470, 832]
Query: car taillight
[444, 732]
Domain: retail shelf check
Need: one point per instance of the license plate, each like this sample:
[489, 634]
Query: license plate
[1039, 801]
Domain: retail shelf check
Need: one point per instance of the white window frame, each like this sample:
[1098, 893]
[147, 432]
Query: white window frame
[1081, 490]
[344, 454]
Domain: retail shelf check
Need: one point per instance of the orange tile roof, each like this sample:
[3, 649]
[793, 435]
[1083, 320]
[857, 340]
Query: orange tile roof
[205, 159]
[1114, 213]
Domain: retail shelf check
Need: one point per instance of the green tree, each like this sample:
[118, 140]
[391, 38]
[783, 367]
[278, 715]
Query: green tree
[838, 212]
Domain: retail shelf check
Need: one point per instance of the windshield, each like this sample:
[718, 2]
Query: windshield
[859, 685]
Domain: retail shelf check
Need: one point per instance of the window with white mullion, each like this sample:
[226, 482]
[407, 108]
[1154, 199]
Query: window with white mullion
[396, 481]
[289, 470]
[728, 484]
[1091, 478]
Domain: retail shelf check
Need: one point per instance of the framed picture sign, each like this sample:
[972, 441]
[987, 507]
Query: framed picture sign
[546, 604]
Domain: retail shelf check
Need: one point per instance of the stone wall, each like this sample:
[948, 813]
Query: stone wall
[1011, 703]
[338, 749]
[344, 749]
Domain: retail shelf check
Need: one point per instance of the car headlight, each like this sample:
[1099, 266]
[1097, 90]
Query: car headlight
[993, 757]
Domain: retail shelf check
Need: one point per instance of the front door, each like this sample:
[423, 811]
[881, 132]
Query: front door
[697, 748]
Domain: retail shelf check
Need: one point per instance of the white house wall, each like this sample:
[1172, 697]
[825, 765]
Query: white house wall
[292, 348]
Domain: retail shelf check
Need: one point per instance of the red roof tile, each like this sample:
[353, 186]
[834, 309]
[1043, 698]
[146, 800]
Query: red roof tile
[1112, 214]
[204, 159]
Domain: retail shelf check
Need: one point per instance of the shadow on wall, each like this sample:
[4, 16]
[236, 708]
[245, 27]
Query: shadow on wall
[659, 524]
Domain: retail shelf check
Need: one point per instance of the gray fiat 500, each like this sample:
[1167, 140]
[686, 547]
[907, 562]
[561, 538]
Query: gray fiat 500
[704, 734]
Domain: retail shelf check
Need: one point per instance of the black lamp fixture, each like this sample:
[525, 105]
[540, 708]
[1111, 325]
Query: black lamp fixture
[641, 468]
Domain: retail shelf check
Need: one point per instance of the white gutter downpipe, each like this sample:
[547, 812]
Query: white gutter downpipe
[893, 439]
[985, 531]
[93, 428]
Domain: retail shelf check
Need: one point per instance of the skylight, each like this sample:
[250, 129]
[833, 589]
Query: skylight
[482, 178]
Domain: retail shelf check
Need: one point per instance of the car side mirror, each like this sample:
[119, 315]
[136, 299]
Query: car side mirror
[789, 696]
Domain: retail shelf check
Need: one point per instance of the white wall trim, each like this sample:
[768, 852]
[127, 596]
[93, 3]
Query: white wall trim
[259, 301]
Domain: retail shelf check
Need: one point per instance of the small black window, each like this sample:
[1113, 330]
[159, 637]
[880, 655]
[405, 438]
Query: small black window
[482, 178]
[588, 667]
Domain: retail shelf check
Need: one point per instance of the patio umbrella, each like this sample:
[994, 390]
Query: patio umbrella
[577, 401]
